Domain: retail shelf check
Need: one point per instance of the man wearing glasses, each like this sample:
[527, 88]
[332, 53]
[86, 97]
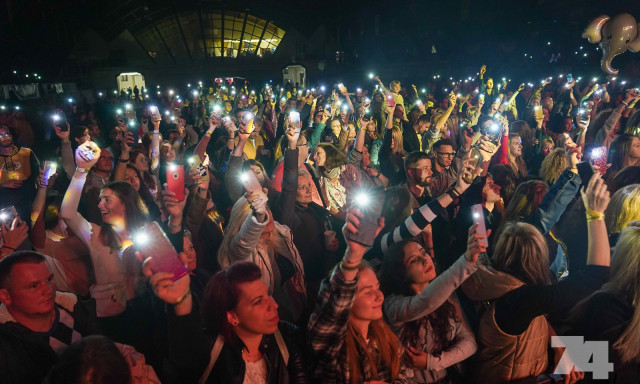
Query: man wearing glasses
[447, 163]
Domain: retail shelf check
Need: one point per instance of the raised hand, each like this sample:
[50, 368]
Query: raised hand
[87, 155]
[596, 196]
[476, 244]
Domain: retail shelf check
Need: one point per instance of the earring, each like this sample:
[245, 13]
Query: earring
[235, 323]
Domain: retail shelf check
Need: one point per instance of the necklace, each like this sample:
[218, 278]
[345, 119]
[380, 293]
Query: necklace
[251, 357]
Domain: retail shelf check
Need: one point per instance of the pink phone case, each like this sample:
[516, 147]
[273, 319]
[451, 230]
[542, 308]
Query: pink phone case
[158, 246]
[391, 101]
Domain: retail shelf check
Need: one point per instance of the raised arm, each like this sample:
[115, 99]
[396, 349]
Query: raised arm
[154, 154]
[442, 121]
[68, 164]
[69, 209]
[121, 166]
[214, 122]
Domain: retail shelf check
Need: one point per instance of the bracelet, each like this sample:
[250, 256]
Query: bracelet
[8, 247]
[65, 141]
[209, 133]
[81, 170]
[594, 215]
[348, 267]
[123, 160]
[183, 297]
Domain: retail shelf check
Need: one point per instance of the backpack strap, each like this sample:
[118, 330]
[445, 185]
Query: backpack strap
[215, 353]
[284, 351]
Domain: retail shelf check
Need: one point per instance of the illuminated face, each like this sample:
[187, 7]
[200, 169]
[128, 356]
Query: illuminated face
[489, 84]
[167, 152]
[30, 290]
[547, 147]
[515, 146]
[634, 153]
[142, 163]
[105, 162]
[320, 157]
[567, 125]
[421, 174]
[111, 207]
[131, 177]
[188, 254]
[445, 156]
[352, 132]
[491, 191]
[6, 140]
[336, 127]
[256, 312]
[304, 194]
[367, 304]
[418, 266]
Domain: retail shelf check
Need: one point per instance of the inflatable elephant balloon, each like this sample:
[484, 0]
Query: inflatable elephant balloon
[615, 36]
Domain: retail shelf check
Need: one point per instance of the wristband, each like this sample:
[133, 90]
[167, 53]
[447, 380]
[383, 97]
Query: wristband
[594, 215]
[65, 141]
[183, 297]
[349, 267]
[209, 133]
[123, 160]
[453, 193]
[81, 170]
[8, 247]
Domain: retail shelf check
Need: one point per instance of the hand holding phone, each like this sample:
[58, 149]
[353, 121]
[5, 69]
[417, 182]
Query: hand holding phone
[369, 202]
[390, 100]
[294, 118]
[175, 181]
[250, 181]
[151, 241]
[198, 168]
[7, 215]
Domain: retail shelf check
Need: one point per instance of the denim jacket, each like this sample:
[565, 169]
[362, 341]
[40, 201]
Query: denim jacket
[555, 202]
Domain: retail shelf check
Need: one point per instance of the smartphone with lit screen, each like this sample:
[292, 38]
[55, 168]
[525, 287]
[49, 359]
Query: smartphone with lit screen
[369, 202]
[151, 241]
[477, 213]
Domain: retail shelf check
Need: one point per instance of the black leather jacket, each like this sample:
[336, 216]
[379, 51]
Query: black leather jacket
[190, 351]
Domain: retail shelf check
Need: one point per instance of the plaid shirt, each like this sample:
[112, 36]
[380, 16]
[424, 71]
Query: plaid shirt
[328, 327]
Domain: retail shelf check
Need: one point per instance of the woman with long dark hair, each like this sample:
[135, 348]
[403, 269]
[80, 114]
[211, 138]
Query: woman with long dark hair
[123, 212]
[419, 307]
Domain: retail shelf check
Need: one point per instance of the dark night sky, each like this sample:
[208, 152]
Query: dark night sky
[33, 30]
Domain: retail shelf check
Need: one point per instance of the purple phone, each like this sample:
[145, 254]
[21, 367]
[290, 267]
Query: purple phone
[370, 203]
[151, 241]
[477, 213]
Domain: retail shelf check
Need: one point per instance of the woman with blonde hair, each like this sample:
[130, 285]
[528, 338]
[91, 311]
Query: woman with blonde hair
[553, 165]
[391, 153]
[623, 209]
[253, 235]
[513, 335]
[618, 299]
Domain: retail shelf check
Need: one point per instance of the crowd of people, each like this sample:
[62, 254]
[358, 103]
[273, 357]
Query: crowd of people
[386, 235]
